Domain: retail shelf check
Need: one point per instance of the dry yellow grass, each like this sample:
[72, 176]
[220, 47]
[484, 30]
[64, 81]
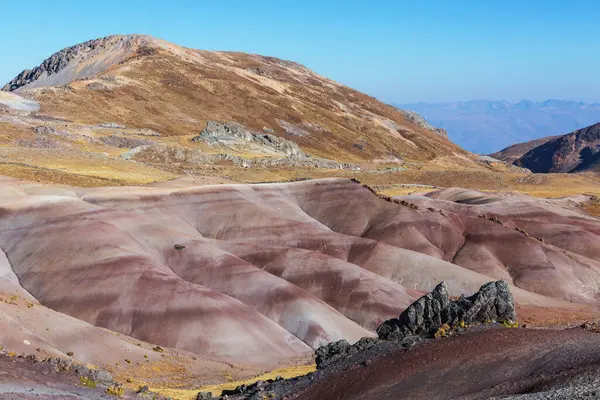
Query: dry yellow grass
[190, 394]
[76, 168]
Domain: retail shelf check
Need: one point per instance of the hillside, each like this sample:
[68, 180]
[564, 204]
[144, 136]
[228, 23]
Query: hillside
[133, 109]
[512, 153]
[484, 126]
[261, 275]
[145, 83]
[574, 152]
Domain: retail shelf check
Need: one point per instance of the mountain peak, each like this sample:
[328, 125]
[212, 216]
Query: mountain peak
[144, 82]
[83, 60]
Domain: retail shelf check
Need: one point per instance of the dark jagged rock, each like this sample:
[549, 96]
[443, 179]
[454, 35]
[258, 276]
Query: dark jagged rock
[257, 390]
[54, 64]
[143, 390]
[331, 352]
[493, 302]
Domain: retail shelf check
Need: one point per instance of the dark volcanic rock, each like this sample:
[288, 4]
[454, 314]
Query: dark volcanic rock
[493, 302]
[331, 352]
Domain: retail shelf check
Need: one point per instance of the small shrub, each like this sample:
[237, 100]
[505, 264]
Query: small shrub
[442, 331]
[115, 391]
[510, 324]
[87, 382]
[158, 349]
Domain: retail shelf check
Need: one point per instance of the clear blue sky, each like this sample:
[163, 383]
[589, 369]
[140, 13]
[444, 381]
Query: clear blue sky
[399, 51]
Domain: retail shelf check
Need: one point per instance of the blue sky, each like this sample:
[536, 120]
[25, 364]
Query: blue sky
[399, 51]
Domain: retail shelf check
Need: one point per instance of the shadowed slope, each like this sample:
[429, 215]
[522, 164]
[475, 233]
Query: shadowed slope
[574, 152]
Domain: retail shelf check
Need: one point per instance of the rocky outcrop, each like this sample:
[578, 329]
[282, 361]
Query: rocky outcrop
[493, 302]
[53, 64]
[333, 351]
[231, 133]
[422, 122]
[163, 154]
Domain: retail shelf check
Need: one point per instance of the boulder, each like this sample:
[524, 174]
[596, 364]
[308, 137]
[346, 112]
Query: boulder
[333, 351]
[493, 302]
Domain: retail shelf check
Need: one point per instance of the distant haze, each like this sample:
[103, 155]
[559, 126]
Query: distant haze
[485, 127]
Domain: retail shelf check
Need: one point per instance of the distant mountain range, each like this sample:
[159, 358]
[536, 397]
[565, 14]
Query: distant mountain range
[487, 126]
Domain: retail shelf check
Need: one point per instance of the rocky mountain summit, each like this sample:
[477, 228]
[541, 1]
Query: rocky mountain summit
[284, 108]
[85, 54]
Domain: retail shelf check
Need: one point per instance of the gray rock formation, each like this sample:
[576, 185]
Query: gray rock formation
[111, 125]
[493, 302]
[257, 390]
[422, 122]
[231, 133]
[53, 64]
[164, 154]
[205, 396]
[333, 351]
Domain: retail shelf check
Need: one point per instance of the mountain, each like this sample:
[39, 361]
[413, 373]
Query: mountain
[512, 153]
[574, 152]
[485, 126]
[142, 82]
[178, 217]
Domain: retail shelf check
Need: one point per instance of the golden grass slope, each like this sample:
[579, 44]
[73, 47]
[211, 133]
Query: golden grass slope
[174, 91]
